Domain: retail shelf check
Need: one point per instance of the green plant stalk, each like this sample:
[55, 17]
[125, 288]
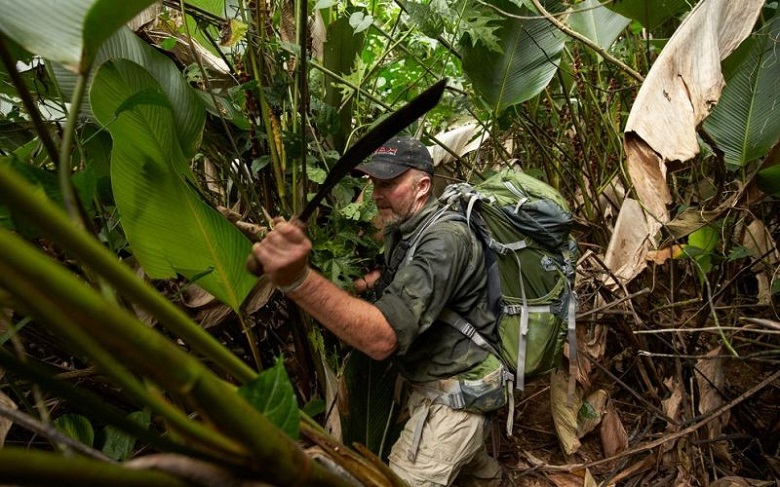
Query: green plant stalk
[35, 467]
[300, 98]
[69, 306]
[66, 302]
[711, 304]
[21, 197]
[265, 110]
[64, 169]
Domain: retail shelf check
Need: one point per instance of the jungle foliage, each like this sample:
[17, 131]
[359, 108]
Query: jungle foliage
[145, 145]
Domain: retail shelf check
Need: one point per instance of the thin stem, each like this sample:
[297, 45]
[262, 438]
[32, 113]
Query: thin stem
[576, 35]
[65, 167]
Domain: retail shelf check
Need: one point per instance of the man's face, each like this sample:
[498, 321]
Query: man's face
[399, 198]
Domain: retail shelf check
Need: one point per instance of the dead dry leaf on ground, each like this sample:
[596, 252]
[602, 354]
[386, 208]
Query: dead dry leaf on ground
[572, 479]
[5, 423]
[591, 412]
[660, 256]
[671, 405]
[614, 438]
[741, 482]
[565, 415]
[625, 256]
[759, 243]
[710, 380]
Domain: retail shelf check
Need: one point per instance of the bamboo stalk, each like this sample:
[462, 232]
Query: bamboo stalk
[35, 467]
[22, 198]
[54, 295]
[69, 304]
[64, 170]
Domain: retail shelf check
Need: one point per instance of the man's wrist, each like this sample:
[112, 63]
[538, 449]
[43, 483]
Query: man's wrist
[296, 283]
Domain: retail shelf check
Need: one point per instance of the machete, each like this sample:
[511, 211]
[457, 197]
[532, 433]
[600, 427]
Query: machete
[364, 147]
[374, 138]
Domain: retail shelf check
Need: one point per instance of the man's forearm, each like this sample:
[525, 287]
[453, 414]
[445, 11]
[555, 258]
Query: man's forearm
[352, 319]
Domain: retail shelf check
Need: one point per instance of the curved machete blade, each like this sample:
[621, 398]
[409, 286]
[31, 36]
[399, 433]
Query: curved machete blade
[374, 138]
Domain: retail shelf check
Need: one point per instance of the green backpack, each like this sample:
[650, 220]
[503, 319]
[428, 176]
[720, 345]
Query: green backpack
[525, 224]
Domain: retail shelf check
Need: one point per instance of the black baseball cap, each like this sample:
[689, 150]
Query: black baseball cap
[395, 157]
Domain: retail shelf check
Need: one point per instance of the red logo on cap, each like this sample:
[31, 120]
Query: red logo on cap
[386, 151]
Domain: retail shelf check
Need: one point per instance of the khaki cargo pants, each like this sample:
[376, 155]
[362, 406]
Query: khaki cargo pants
[452, 444]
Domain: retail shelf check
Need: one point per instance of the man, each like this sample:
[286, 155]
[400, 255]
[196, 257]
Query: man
[452, 380]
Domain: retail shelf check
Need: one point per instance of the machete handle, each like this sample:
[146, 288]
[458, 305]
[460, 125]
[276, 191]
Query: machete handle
[254, 266]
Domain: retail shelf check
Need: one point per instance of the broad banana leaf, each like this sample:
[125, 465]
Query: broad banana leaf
[674, 99]
[529, 57]
[745, 123]
[188, 114]
[68, 32]
[678, 94]
[649, 13]
[169, 228]
[597, 23]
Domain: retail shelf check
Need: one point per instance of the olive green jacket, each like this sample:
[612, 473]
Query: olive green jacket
[447, 270]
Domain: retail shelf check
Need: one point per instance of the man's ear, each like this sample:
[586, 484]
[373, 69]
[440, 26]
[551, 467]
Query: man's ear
[424, 186]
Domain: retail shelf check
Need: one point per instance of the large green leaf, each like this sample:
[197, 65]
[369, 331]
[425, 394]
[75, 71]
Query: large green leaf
[649, 13]
[69, 32]
[367, 415]
[170, 229]
[529, 57]
[188, 114]
[597, 22]
[745, 124]
[272, 394]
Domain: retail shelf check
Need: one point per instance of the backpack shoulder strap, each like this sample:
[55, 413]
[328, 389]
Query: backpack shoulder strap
[462, 324]
[441, 215]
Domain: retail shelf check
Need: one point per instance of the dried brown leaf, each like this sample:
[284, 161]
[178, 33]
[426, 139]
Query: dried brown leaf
[591, 412]
[671, 405]
[614, 438]
[195, 296]
[660, 256]
[565, 415]
[759, 242]
[625, 256]
[710, 380]
[5, 423]
[460, 140]
[565, 480]
[680, 90]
